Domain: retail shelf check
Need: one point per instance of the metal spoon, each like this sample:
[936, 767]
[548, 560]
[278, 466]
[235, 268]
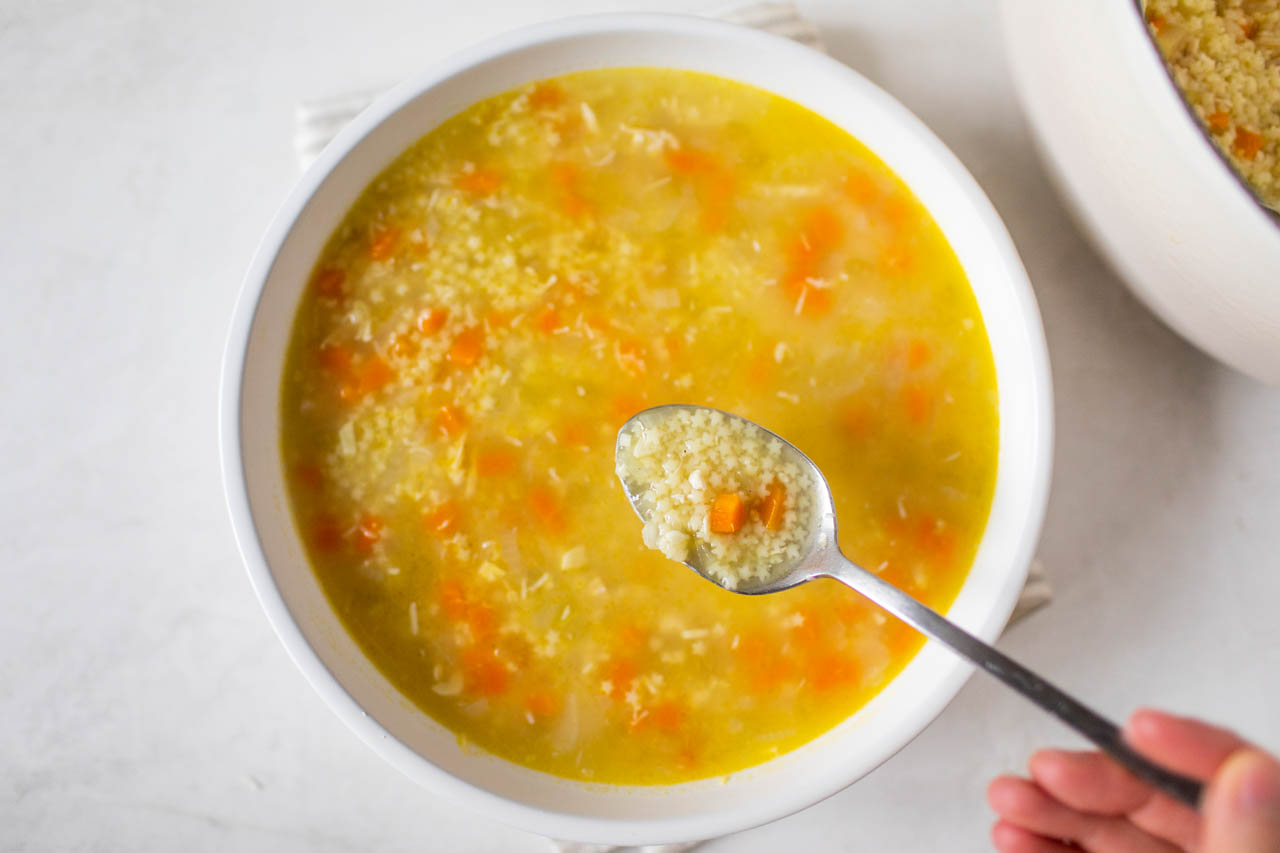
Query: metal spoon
[824, 560]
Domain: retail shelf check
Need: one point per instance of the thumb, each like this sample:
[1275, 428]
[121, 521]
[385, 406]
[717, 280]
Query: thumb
[1242, 805]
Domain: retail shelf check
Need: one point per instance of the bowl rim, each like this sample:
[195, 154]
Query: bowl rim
[307, 659]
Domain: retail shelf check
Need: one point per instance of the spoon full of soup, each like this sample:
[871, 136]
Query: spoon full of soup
[748, 511]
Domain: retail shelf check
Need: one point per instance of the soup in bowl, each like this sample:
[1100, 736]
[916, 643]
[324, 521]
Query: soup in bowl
[503, 261]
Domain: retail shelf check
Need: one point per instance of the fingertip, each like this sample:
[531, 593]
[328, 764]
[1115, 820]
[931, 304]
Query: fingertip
[999, 791]
[1044, 762]
[1147, 722]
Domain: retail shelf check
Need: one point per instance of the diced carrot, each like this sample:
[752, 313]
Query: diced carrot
[1218, 121]
[773, 507]
[374, 375]
[368, 532]
[667, 716]
[897, 212]
[620, 673]
[546, 96]
[481, 620]
[443, 520]
[575, 434]
[548, 321]
[1157, 22]
[452, 420]
[761, 369]
[599, 324]
[495, 462]
[830, 670]
[631, 357]
[329, 283]
[690, 161]
[917, 354]
[467, 347]
[728, 513]
[403, 346]
[896, 258]
[326, 536]
[336, 359]
[814, 301]
[632, 638]
[1249, 28]
[484, 674]
[309, 476]
[822, 230]
[860, 188]
[1247, 143]
[546, 508]
[717, 201]
[918, 402]
[568, 178]
[480, 182]
[935, 540]
[383, 243]
[542, 703]
[430, 322]
[855, 418]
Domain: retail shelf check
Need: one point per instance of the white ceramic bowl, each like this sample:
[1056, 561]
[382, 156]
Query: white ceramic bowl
[292, 597]
[1143, 180]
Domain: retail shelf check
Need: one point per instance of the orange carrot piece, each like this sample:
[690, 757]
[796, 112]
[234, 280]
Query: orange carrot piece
[728, 513]
[375, 374]
[1247, 143]
[309, 476]
[542, 703]
[831, 670]
[484, 674]
[1157, 22]
[761, 369]
[568, 178]
[496, 462]
[620, 673]
[822, 230]
[918, 402]
[443, 520]
[467, 347]
[326, 536]
[717, 201]
[546, 508]
[814, 301]
[575, 434]
[917, 354]
[667, 716]
[1218, 121]
[773, 507]
[548, 321]
[329, 282]
[546, 96]
[383, 243]
[430, 322]
[860, 188]
[336, 359]
[368, 532]
[481, 182]
[690, 161]
[452, 420]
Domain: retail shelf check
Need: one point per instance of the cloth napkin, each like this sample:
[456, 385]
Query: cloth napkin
[317, 121]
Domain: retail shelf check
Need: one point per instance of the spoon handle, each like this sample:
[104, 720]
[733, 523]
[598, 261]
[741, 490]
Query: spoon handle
[1101, 731]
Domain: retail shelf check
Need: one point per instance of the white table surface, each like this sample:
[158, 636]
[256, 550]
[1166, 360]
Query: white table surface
[144, 702]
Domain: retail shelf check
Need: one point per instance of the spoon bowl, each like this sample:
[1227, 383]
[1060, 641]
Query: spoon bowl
[822, 558]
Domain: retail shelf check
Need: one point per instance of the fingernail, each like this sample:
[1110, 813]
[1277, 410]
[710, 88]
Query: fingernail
[1257, 784]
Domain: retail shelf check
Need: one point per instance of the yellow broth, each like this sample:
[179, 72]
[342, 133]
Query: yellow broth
[523, 279]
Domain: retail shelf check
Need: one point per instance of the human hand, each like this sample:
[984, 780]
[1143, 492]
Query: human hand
[1085, 801]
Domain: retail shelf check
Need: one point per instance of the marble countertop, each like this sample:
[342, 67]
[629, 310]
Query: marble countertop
[144, 702]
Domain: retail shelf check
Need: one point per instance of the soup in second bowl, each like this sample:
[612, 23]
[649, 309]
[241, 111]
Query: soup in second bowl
[520, 282]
